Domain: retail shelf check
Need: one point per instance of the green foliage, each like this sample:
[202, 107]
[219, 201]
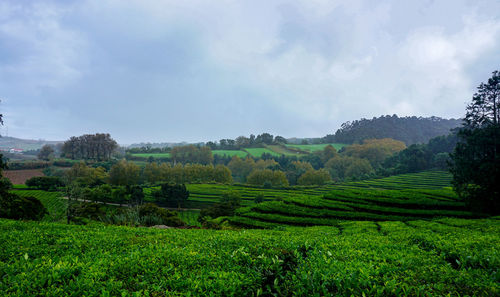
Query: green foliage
[45, 183]
[46, 153]
[192, 154]
[52, 201]
[151, 214]
[98, 147]
[453, 257]
[21, 208]
[171, 195]
[275, 178]
[476, 159]
[124, 173]
[314, 177]
[410, 130]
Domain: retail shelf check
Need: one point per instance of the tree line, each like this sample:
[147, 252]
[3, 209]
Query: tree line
[410, 130]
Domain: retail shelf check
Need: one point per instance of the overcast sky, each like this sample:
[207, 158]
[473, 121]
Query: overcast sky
[163, 71]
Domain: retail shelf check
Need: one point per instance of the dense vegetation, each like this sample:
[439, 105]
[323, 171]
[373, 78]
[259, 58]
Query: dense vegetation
[410, 130]
[476, 159]
[442, 257]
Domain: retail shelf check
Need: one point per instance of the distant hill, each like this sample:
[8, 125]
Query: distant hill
[7, 143]
[410, 130]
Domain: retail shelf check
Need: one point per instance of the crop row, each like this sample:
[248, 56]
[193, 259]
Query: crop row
[419, 258]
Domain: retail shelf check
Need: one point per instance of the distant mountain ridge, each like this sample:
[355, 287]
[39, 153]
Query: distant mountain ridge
[7, 143]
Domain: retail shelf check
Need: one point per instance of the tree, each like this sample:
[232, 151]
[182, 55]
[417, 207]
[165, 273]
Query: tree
[124, 173]
[171, 195]
[314, 177]
[46, 153]
[475, 163]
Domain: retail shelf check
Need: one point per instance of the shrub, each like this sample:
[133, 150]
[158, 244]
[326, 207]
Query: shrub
[150, 214]
[45, 183]
[21, 208]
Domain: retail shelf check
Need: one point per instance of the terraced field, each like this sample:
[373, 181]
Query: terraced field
[203, 195]
[353, 204]
[53, 201]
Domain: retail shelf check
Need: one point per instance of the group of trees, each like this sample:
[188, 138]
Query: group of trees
[418, 157]
[125, 173]
[245, 142]
[98, 147]
[189, 173]
[192, 154]
[410, 130]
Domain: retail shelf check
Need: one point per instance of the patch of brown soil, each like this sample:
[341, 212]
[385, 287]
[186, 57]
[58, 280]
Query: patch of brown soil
[19, 177]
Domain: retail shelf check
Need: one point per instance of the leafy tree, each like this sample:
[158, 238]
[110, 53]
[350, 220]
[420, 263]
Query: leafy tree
[343, 167]
[171, 195]
[45, 183]
[124, 173]
[476, 159]
[150, 215]
[314, 177]
[375, 150]
[46, 153]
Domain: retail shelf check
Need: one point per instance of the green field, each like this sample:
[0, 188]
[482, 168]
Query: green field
[257, 152]
[445, 257]
[154, 155]
[316, 147]
[230, 153]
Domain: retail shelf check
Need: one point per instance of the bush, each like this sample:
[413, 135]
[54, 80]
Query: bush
[171, 195]
[150, 214]
[21, 208]
[94, 211]
[45, 183]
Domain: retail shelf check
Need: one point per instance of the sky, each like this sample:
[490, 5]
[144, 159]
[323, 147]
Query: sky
[170, 71]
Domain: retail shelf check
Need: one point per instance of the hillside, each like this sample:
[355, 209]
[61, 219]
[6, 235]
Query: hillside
[23, 144]
[407, 129]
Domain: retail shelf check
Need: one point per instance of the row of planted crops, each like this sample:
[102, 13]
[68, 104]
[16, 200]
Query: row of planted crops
[441, 257]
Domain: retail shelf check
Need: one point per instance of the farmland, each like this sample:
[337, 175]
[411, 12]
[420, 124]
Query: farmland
[316, 147]
[20, 176]
[203, 195]
[53, 201]
[416, 258]
[257, 152]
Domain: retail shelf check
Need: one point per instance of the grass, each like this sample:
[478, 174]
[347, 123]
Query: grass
[154, 155]
[443, 257]
[230, 153]
[257, 152]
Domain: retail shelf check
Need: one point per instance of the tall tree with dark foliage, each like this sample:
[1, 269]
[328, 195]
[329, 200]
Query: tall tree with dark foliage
[476, 159]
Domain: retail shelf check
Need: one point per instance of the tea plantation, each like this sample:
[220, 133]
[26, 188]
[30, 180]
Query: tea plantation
[448, 257]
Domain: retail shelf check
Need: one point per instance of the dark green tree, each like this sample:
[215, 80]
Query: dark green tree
[476, 159]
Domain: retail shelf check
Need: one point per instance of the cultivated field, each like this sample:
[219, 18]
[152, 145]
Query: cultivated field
[21, 176]
[444, 257]
[316, 147]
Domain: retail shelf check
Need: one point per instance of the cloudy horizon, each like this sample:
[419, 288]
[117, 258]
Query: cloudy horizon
[172, 71]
